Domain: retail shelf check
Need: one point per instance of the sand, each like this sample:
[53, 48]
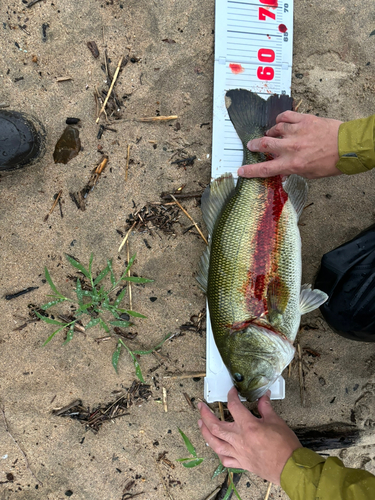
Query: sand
[333, 74]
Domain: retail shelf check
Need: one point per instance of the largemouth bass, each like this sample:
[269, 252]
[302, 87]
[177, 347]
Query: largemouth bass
[251, 270]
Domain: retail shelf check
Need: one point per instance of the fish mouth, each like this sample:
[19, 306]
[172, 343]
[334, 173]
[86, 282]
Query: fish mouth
[256, 393]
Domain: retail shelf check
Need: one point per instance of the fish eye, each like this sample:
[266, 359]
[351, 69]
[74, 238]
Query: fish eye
[238, 377]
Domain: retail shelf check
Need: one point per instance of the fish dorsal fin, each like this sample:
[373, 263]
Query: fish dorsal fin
[214, 198]
[296, 188]
[202, 275]
[311, 299]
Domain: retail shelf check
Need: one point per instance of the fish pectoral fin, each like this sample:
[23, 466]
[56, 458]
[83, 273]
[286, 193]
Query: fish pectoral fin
[310, 300]
[277, 296]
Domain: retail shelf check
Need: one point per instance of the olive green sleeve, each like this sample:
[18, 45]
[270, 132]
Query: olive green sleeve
[308, 476]
[356, 146]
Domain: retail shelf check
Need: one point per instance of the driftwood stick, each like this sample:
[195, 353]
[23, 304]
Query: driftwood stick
[332, 436]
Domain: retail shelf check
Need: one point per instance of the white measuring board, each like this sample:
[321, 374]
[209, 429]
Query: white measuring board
[253, 51]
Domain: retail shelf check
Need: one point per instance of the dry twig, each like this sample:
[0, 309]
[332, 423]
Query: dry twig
[268, 491]
[157, 118]
[192, 220]
[54, 205]
[185, 375]
[126, 237]
[110, 88]
[165, 405]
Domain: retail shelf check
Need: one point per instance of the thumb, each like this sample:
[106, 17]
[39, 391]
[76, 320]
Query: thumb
[264, 407]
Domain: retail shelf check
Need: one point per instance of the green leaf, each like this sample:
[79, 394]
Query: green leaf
[83, 307]
[92, 322]
[130, 263]
[116, 355]
[154, 348]
[53, 334]
[104, 325]
[101, 275]
[123, 324]
[188, 444]
[220, 468]
[137, 367]
[233, 486]
[50, 321]
[79, 291]
[136, 279]
[229, 491]
[90, 264]
[135, 314]
[70, 334]
[113, 279]
[135, 361]
[120, 297]
[193, 463]
[52, 303]
[50, 282]
[236, 471]
[77, 265]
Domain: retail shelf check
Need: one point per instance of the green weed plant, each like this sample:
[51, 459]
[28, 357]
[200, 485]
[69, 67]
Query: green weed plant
[96, 302]
[195, 461]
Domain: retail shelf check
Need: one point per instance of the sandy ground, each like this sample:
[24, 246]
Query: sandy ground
[333, 74]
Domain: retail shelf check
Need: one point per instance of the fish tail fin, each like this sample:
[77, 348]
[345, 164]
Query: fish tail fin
[252, 115]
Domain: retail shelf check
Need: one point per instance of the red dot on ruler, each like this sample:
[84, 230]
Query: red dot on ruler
[236, 68]
[283, 28]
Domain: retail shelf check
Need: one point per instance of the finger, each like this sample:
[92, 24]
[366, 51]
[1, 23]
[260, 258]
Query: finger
[290, 117]
[282, 129]
[265, 408]
[239, 413]
[265, 169]
[219, 446]
[230, 462]
[269, 145]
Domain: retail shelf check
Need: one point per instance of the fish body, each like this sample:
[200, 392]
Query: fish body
[251, 271]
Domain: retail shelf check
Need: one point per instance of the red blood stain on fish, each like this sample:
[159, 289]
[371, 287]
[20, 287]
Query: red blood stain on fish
[283, 28]
[266, 242]
[236, 68]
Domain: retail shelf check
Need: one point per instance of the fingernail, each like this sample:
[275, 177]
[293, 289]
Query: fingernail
[200, 423]
[240, 171]
[249, 145]
[199, 406]
[268, 393]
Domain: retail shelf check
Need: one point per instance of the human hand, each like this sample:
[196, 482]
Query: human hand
[259, 445]
[306, 145]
